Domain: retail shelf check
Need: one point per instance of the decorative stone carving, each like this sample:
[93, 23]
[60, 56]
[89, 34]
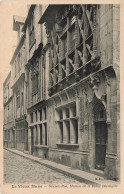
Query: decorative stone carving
[48, 34]
[107, 78]
[75, 9]
[94, 82]
[57, 101]
[103, 97]
[85, 71]
[71, 94]
[64, 98]
[77, 76]
[68, 81]
[50, 92]
[58, 28]
[60, 86]
[54, 88]
[96, 64]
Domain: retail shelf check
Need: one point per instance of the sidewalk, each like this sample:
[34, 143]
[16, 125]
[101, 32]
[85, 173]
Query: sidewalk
[79, 175]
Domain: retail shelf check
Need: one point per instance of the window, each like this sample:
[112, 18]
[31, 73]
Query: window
[64, 46]
[61, 131]
[40, 115]
[67, 124]
[8, 91]
[44, 113]
[34, 83]
[40, 127]
[31, 31]
[31, 116]
[18, 100]
[41, 138]
[72, 39]
[22, 99]
[19, 62]
[36, 116]
[73, 47]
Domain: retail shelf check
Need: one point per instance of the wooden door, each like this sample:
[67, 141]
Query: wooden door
[101, 139]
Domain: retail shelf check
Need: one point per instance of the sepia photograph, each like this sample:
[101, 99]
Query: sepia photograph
[61, 96]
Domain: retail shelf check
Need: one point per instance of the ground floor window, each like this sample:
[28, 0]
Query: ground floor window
[67, 122]
[38, 121]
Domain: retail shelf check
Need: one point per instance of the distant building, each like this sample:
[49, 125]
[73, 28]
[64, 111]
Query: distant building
[8, 130]
[66, 86]
[18, 62]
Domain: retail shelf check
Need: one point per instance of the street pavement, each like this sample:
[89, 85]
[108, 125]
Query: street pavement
[18, 169]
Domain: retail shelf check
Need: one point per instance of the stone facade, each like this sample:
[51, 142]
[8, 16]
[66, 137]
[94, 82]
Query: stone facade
[70, 81]
[8, 130]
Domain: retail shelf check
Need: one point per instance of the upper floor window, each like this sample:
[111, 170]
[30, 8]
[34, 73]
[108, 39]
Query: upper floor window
[19, 62]
[31, 31]
[22, 99]
[35, 83]
[76, 43]
[18, 100]
[8, 91]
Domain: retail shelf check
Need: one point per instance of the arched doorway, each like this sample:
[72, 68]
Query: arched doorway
[99, 117]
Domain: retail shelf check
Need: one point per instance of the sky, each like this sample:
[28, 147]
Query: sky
[8, 39]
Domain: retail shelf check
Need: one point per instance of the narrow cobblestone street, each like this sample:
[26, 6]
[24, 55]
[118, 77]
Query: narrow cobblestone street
[21, 170]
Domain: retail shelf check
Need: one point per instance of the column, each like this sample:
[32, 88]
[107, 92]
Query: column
[72, 133]
[38, 133]
[34, 137]
[15, 138]
[24, 98]
[77, 105]
[108, 109]
[29, 140]
[34, 117]
[43, 134]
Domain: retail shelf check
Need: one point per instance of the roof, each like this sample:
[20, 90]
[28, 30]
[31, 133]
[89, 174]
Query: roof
[16, 21]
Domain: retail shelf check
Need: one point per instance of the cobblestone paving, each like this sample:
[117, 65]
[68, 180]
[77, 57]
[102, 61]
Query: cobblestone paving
[21, 170]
